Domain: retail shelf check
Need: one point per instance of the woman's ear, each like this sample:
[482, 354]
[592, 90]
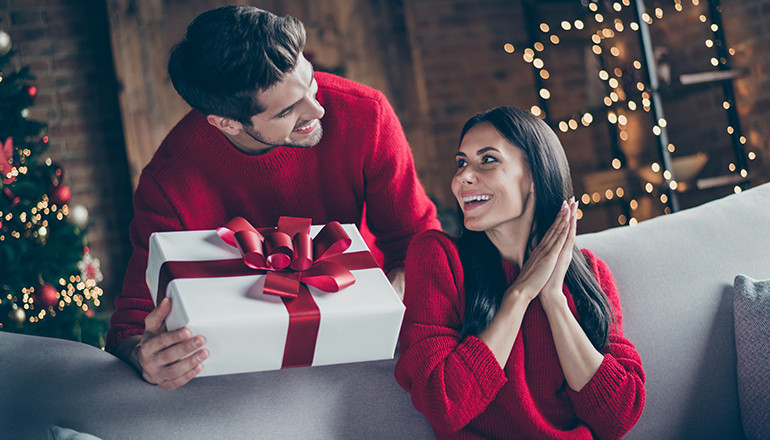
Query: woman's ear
[225, 125]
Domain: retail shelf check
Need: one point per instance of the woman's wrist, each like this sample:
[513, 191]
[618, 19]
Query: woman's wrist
[516, 297]
[552, 300]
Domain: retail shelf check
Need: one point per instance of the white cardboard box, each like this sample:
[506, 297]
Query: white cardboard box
[246, 330]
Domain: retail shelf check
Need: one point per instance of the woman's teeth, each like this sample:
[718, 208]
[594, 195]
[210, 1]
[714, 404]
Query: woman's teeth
[472, 199]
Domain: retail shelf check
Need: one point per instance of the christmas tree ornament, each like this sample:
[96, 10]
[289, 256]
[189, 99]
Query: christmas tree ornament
[5, 43]
[79, 216]
[12, 199]
[6, 161]
[58, 174]
[46, 296]
[90, 267]
[61, 195]
[18, 316]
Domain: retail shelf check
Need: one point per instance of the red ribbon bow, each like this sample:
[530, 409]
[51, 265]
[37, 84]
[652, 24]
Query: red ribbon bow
[290, 256]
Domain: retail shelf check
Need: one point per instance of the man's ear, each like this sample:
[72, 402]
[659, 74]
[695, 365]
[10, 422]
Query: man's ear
[225, 125]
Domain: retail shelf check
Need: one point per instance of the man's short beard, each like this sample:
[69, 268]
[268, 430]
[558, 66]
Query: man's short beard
[257, 136]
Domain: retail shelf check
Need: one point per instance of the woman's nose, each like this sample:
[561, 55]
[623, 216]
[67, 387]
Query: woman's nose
[467, 175]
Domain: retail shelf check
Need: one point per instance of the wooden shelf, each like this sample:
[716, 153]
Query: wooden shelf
[687, 79]
[715, 182]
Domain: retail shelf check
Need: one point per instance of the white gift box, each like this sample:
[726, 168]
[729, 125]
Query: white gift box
[246, 330]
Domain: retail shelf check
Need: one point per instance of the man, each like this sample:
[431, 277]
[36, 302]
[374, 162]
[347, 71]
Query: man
[267, 137]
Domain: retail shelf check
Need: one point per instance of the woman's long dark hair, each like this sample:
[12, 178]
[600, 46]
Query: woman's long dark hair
[482, 263]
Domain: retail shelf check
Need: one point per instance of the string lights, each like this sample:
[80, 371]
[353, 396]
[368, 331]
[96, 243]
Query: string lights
[79, 291]
[626, 93]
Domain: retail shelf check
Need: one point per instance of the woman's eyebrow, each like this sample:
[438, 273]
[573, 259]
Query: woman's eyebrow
[485, 149]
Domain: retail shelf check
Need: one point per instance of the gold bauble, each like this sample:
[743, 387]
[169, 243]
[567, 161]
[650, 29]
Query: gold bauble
[18, 315]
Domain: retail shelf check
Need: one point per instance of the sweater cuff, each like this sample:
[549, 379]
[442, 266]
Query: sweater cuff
[482, 362]
[116, 336]
[601, 390]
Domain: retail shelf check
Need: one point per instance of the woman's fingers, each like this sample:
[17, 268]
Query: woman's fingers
[564, 259]
[558, 225]
[550, 253]
[552, 236]
[572, 225]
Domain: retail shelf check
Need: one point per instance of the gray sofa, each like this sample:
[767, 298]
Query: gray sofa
[675, 275]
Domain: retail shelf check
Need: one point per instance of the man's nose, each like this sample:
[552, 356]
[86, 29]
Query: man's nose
[314, 110]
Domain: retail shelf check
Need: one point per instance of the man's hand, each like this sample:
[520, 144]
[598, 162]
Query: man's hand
[396, 278]
[162, 356]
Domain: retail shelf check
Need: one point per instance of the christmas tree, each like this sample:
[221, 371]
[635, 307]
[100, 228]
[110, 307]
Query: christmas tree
[48, 279]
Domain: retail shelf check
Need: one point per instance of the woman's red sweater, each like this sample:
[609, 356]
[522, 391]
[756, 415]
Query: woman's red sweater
[459, 385]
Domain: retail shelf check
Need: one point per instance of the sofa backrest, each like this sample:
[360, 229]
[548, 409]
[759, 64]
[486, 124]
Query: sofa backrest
[675, 277]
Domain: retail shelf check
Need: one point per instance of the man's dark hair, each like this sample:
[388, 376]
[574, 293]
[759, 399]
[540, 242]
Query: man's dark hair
[231, 53]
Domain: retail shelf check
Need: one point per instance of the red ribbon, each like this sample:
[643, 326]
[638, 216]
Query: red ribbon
[265, 250]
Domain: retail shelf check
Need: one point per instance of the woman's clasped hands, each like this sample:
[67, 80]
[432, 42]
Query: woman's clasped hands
[543, 272]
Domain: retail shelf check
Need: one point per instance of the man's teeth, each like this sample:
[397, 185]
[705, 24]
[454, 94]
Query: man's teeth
[471, 199]
[304, 127]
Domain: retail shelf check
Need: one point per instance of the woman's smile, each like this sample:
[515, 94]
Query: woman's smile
[473, 201]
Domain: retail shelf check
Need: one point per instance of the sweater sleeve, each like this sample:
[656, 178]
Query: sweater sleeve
[397, 207]
[613, 400]
[153, 212]
[451, 380]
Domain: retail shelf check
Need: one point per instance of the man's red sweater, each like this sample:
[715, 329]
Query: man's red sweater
[459, 385]
[198, 180]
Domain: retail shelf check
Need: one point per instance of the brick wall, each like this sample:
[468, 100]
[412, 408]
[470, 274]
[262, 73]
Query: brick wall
[460, 68]
[66, 44]
[747, 25]
[466, 70]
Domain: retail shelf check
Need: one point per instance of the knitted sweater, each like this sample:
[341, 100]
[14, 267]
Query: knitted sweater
[460, 387]
[198, 180]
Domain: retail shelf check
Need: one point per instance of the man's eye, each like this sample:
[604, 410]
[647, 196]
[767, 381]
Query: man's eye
[283, 115]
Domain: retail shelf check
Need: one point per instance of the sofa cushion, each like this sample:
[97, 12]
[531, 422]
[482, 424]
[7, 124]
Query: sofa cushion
[752, 343]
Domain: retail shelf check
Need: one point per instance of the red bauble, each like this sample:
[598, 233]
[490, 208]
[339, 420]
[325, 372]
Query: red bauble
[46, 296]
[10, 196]
[61, 195]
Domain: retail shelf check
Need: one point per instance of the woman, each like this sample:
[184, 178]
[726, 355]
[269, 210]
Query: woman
[511, 331]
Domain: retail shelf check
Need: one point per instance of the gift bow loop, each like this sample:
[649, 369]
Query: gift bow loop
[287, 254]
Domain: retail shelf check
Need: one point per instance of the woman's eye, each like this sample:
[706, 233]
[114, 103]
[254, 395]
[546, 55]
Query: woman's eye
[461, 163]
[488, 159]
